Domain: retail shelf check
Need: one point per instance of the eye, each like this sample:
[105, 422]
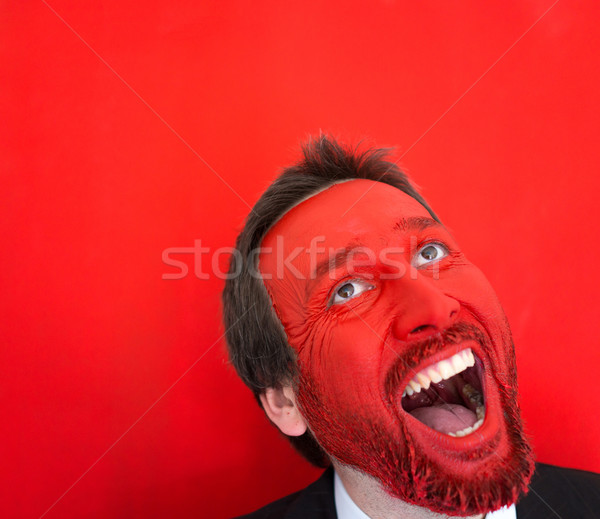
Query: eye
[430, 253]
[350, 290]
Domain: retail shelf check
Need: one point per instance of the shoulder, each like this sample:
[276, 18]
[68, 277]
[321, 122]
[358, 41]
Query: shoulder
[315, 501]
[560, 492]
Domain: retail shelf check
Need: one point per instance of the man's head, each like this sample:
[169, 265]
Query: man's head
[393, 350]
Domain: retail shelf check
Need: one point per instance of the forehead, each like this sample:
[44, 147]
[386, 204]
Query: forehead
[347, 211]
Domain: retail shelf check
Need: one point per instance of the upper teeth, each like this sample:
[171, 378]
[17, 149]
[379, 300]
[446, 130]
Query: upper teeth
[439, 371]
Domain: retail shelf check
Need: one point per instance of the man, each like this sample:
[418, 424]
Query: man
[376, 346]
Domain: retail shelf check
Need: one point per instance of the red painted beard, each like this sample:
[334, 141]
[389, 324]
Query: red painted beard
[406, 366]
[475, 473]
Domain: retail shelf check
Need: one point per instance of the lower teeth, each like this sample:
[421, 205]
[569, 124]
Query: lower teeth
[480, 412]
[480, 416]
[473, 395]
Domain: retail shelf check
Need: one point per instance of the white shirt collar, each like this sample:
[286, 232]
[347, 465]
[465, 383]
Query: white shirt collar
[344, 506]
[347, 509]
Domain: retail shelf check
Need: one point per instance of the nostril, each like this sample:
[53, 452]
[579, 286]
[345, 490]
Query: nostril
[423, 328]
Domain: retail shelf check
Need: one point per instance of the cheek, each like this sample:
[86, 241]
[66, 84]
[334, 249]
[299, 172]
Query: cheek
[473, 291]
[344, 359]
[479, 299]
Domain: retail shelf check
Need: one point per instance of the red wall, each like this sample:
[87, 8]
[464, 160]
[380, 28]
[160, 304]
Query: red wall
[131, 128]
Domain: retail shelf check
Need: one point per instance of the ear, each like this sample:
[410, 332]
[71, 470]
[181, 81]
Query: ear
[280, 406]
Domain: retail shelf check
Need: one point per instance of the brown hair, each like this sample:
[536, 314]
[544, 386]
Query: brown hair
[257, 344]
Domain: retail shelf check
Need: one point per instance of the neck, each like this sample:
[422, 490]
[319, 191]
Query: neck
[373, 500]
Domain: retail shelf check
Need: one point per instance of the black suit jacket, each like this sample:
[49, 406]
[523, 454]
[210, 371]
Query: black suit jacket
[553, 493]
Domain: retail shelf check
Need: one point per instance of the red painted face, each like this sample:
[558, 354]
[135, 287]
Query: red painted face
[406, 362]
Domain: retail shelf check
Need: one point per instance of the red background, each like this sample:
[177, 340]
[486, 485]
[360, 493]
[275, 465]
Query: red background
[106, 138]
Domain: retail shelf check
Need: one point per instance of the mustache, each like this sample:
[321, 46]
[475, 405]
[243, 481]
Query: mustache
[418, 351]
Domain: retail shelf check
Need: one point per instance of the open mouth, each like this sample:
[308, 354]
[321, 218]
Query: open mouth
[448, 395]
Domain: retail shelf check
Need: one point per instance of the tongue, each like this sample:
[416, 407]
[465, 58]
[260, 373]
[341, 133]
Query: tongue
[445, 418]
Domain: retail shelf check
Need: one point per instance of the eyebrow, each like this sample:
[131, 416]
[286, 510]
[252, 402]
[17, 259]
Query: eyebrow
[413, 223]
[335, 261]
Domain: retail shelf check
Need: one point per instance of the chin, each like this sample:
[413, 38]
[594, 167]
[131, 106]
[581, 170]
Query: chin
[449, 436]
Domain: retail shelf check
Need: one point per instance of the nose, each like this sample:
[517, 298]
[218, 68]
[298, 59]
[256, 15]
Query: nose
[424, 308]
